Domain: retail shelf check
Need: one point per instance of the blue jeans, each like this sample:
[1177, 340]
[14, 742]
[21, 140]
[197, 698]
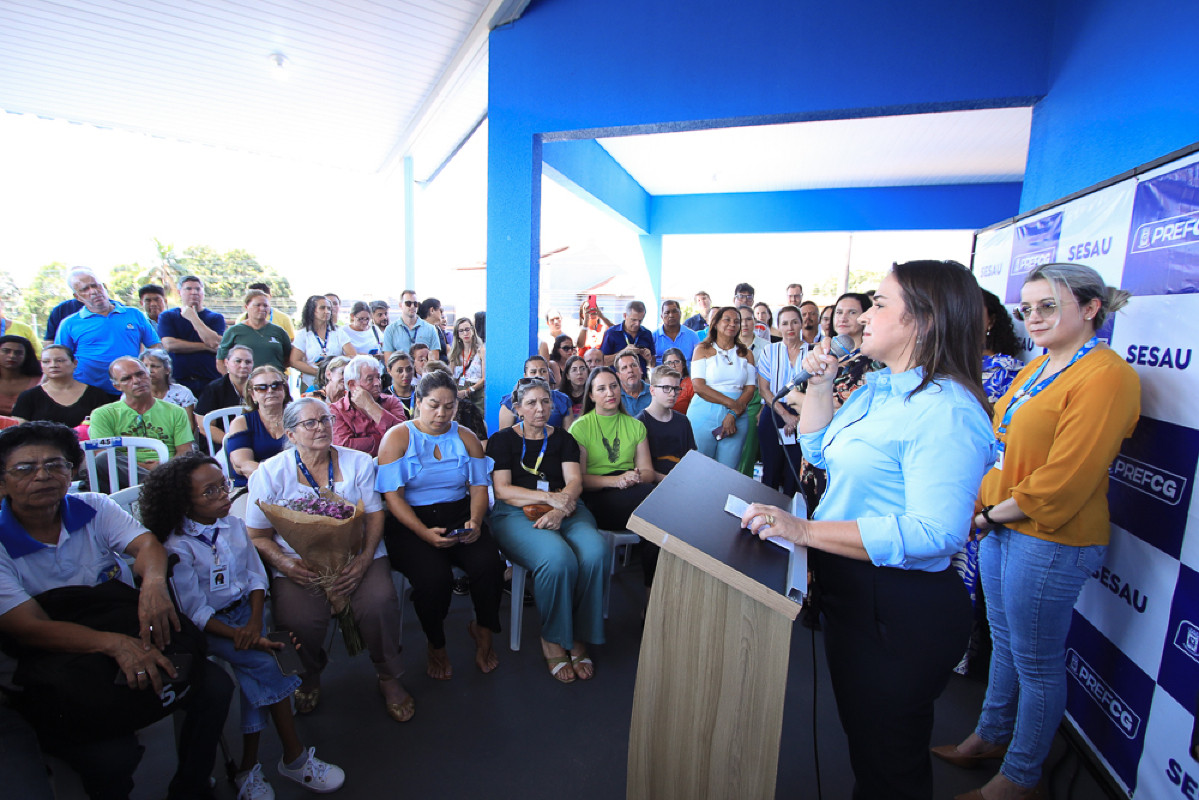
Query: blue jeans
[706, 417]
[258, 676]
[1031, 586]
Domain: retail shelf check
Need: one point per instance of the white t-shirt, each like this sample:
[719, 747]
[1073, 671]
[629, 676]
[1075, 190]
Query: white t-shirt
[364, 341]
[276, 481]
[310, 345]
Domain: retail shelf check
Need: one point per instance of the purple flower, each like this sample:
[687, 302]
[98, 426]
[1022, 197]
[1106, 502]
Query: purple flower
[321, 507]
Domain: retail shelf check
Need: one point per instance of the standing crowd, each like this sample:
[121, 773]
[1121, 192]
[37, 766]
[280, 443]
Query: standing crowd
[903, 417]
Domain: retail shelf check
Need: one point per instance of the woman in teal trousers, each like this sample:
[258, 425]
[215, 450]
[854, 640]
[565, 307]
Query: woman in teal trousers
[540, 524]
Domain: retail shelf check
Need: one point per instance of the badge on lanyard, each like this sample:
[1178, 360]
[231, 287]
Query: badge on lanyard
[999, 457]
[218, 578]
[543, 486]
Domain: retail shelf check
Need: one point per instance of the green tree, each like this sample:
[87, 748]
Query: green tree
[124, 280]
[9, 292]
[49, 288]
[226, 275]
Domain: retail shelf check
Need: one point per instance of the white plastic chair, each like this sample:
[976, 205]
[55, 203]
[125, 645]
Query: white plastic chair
[109, 448]
[224, 416]
[128, 500]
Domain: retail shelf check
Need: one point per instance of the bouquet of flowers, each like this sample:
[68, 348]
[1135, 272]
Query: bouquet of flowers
[326, 532]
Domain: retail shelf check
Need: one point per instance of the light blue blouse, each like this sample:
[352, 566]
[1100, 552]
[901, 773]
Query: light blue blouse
[906, 469]
[427, 479]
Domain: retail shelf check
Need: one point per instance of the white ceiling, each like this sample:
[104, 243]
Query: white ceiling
[911, 150]
[363, 79]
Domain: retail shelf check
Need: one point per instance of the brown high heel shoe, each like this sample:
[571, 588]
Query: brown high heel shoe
[951, 754]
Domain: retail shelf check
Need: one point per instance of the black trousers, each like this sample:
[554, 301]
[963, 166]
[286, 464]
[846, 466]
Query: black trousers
[775, 472]
[892, 638]
[106, 767]
[430, 569]
[612, 509]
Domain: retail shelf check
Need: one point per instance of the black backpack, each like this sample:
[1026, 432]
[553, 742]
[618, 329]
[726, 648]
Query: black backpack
[75, 697]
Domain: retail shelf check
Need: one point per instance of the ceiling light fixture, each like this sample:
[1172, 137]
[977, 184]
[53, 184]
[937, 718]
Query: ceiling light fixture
[279, 61]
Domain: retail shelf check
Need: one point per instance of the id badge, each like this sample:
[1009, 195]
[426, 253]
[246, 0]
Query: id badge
[786, 438]
[543, 486]
[218, 578]
[999, 457]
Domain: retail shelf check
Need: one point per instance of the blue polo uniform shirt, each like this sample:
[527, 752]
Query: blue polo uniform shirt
[617, 339]
[97, 341]
[635, 404]
[686, 341]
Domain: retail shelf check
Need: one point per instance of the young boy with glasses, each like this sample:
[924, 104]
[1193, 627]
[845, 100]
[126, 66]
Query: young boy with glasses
[669, 434]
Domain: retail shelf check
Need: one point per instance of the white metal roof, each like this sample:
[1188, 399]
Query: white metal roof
[360, 80]
[976, 146]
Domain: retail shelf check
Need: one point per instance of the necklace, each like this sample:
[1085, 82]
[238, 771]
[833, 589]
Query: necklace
[725, 353]
[613, 447]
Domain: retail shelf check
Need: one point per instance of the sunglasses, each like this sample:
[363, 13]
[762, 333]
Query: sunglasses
[268, 387]
[411, 303]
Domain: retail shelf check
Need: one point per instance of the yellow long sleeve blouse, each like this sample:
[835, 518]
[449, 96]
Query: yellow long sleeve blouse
[1060, 444]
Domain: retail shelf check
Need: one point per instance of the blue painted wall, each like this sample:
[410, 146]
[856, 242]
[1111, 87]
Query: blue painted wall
[1119, 94]
[570, 65]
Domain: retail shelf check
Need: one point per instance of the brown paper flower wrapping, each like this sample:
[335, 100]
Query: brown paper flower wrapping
[325, 544]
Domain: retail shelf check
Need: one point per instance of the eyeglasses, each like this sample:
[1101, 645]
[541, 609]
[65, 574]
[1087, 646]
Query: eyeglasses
[268, 387]
[1045, 309]
[411, 303]
[667, 389]
[743, 296]
[311, 424]
[213, 492]
[566, 348]
[55, 468]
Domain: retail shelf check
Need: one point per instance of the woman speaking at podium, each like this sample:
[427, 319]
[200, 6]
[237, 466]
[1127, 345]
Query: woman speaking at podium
[904, 456]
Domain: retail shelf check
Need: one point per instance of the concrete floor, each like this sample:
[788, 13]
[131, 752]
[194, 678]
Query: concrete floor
[517, 733]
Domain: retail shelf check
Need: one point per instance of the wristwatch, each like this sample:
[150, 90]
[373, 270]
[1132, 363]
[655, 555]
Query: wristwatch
[986, 514]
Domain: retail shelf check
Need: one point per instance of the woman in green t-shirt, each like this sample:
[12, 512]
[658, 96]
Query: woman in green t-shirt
[618, 472]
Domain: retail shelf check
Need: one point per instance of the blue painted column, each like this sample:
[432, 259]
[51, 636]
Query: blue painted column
[513, 254]
[409, 226]
[651, 249]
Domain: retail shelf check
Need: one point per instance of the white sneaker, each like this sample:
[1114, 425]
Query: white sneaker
[253, 786]
[315, 775]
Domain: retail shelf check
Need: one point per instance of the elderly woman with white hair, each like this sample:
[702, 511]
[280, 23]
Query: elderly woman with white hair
[314, 466]
[365, 412]
[162, 382]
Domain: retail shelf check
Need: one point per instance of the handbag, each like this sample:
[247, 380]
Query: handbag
[75, 697]
[535, 511]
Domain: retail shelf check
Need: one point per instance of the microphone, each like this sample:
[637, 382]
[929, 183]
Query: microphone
[841, 347]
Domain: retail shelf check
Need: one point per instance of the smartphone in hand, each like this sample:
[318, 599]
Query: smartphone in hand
[287, 658]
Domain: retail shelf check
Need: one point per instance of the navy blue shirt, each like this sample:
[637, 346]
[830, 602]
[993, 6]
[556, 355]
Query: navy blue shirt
[194, 370]
[616, 339]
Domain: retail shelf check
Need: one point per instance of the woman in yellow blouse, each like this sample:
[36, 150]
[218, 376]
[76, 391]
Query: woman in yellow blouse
[1045, 516]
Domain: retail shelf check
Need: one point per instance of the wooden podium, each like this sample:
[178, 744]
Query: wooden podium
[708, 705]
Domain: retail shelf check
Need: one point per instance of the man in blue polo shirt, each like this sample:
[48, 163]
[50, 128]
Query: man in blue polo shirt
[629, 334]
[673, 334]
[409, 330]
[102, 331]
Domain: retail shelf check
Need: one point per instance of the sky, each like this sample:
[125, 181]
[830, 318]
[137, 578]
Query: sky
[84, 195]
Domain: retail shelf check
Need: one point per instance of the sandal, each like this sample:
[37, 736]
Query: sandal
[561, 667]
[575, 661]
[306, 701]
[400, 712]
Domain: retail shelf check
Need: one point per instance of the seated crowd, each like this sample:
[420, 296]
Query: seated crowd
[384, 435]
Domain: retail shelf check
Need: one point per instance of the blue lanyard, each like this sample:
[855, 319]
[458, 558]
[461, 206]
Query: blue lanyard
[545, 440]
[324, 343]
[308, 475]
[1028, 391]
[627, 340]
